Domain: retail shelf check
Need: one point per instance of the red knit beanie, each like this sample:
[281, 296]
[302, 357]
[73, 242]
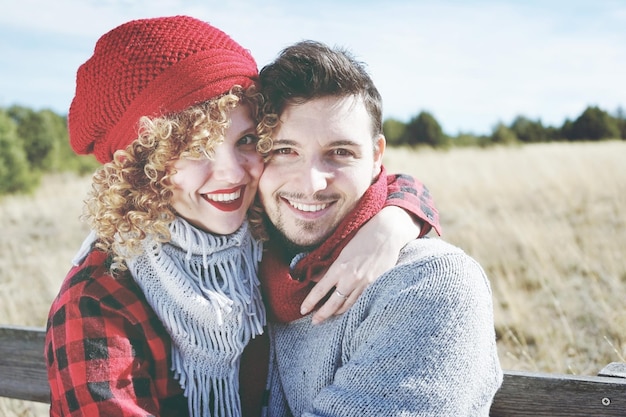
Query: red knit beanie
[150, 67]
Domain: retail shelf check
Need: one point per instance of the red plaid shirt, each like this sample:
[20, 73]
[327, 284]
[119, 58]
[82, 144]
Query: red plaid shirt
[107, 352]
[406, 192]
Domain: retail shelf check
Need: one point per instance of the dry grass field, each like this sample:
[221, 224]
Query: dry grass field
[547, 222]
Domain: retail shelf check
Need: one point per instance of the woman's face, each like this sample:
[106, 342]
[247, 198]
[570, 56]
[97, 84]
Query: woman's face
[214, 195]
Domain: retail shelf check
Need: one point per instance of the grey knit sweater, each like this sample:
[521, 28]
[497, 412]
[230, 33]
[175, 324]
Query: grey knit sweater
[419, 342]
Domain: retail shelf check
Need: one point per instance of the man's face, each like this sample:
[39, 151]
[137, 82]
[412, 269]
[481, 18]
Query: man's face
[322, 162]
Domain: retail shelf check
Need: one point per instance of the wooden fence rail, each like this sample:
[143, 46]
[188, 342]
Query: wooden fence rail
[22, 367]
[23, 376]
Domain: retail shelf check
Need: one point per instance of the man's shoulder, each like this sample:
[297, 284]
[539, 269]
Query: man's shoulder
[431, 264]
[426, 249]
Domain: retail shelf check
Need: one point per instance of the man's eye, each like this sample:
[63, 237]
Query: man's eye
[248, 140]
[282, 151]
[341, 152]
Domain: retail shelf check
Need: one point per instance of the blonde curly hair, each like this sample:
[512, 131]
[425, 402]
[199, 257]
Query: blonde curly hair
[130, 196]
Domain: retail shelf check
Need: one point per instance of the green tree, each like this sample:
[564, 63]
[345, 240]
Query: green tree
[502, 135]
[39, 142]
[467, 139]
[528, 130]
[394, 131]
[566, 129]
[424, 129]
[594, 124]
[60, 156]
[15, 173]
[620, 115]
[43, 136]
[553, 133]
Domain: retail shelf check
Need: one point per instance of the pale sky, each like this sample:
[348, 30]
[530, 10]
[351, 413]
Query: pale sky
[471, 64]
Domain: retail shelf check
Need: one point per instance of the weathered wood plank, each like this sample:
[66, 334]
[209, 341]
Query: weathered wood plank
[22, 366]
[539, 395]
[23, 376]
[615, 369]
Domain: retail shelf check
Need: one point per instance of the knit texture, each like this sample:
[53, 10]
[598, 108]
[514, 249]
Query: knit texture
[150, 67]
[419, 341]
[205, 290]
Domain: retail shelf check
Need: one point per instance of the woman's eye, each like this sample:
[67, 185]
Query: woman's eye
[249, 140]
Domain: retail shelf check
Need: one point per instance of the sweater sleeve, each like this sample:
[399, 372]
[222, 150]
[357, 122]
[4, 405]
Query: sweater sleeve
[426, 349]
[412, 195]
[100, 361]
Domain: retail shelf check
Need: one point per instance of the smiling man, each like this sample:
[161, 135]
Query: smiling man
[323, 160]
[420, 340]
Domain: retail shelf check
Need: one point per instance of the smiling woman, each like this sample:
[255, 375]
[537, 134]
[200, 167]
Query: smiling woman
[234, 163]
[167, 278]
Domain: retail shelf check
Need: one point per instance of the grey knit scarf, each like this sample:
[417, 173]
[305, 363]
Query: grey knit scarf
[205, 290]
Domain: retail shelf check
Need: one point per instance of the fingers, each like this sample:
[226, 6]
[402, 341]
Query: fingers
[341, 295]
[340, 276]
[335, 302]
[319, 291]
[339, 302]
[354, 295]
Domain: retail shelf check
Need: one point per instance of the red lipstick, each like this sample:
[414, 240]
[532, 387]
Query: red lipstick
[226, 203]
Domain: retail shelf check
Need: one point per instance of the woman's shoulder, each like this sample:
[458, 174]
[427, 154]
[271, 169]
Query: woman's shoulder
[92, 277]
[91, 283]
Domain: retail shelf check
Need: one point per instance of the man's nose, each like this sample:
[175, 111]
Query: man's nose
[316, 177]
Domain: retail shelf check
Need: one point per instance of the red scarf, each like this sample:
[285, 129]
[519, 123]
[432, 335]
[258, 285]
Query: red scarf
[283, 293]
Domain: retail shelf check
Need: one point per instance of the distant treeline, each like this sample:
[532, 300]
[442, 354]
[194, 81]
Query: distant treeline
[592, 125]
[33, 143]
[36, 142]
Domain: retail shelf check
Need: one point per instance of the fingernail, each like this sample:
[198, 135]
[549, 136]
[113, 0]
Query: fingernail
[303, 310]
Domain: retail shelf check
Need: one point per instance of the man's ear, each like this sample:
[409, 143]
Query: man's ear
[379, 151]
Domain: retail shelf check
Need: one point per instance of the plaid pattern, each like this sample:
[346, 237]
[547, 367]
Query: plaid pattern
[106, 350]
[406, 192]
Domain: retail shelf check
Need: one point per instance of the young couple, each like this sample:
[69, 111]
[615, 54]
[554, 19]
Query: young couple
[167, 292]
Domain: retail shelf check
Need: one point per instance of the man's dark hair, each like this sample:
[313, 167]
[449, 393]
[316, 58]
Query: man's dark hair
[309, 70]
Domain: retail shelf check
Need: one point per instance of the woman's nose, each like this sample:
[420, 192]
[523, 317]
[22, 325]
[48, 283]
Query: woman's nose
[227, 165]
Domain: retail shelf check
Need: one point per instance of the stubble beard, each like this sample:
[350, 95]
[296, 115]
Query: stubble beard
[293, 237]
[290, 231]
